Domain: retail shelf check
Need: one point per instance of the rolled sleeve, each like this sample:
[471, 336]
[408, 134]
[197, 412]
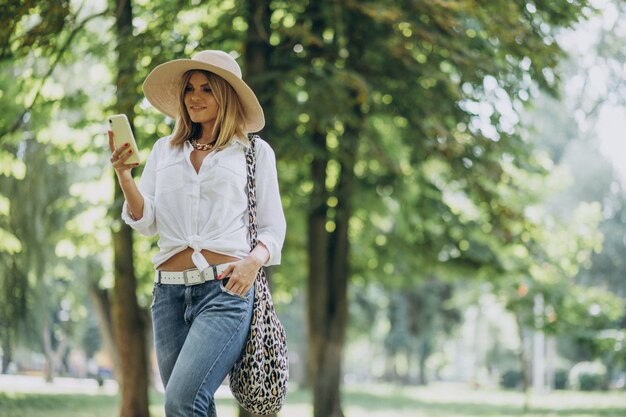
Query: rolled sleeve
[147, 224]
[270, 216]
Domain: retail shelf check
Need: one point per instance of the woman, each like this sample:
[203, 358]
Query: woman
[193, 194]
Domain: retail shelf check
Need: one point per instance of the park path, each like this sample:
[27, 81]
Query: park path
[38, 385]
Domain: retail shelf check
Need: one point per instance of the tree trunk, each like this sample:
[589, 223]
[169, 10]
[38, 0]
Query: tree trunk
[257, 50]
[329, 271]
[424, 353]
[390, 373]
[327, 268]
[102, 306]
[7, 349]
[47, 349]
[53, 356]
[13, 307]
[129, 330]
[318, 258]
[128, 322]
[524, 364]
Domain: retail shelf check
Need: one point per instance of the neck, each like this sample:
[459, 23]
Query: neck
[205, 140]
[205, 135]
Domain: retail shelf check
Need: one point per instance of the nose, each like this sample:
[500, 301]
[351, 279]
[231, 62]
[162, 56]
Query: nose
[194, 96]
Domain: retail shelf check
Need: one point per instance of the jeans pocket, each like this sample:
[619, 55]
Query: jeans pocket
[229, 292]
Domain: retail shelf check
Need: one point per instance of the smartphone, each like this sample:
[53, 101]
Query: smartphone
[122, 134]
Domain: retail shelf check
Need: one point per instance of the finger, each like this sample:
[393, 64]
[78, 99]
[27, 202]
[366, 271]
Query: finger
[125, 154]
[111, 143]
[241, 289]
[236, 284]
[232, 285]
[229, 270]
[119, 164]
[244, 290]
[116, 158]
[242, 285]
[119, 157]
[121, 149]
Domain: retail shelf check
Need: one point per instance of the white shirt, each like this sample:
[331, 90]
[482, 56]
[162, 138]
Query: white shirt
[208, 209]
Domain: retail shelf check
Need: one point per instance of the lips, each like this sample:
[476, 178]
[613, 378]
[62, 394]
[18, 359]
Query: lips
[197, 108]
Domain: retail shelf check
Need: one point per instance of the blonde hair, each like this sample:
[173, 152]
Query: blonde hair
[230, 115]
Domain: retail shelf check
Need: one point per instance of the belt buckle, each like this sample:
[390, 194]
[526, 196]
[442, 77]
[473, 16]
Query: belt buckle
[192, 281]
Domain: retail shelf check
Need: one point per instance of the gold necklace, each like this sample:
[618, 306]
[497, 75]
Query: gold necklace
[201, 146]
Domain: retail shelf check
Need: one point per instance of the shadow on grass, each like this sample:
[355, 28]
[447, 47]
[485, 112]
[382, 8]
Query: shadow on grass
[57, 405]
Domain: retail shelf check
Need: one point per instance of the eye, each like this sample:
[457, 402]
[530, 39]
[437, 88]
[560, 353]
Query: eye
[207, 90]
[188, 88]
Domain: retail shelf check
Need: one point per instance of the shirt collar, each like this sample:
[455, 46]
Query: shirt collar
[245, 142]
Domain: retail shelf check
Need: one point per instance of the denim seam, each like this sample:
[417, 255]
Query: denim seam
[204, 381]
[187, 314]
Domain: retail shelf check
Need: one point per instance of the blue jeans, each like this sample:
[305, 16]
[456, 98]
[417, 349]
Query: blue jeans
[199, 333]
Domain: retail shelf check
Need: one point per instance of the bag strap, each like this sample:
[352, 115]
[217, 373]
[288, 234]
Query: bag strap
[261, 285]
[251, 170]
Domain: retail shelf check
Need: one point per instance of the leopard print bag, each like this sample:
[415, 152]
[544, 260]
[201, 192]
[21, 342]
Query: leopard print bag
[258, 380]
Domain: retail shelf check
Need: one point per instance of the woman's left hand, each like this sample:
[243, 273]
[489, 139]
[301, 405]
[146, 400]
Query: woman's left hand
[241, 275]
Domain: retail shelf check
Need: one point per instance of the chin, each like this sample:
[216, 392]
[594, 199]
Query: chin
[197, 119]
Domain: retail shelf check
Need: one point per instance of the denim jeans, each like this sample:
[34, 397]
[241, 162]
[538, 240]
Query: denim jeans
[199, 333]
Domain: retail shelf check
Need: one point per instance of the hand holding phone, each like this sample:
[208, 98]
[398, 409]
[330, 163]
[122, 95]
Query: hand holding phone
[122, 134]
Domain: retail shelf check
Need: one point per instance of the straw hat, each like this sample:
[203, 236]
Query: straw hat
[162, 85]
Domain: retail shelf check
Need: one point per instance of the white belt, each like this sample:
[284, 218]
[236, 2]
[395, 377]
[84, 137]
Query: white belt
[190, 276]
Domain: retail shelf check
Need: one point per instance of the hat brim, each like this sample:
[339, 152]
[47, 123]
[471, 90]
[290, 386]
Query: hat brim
[161, 88]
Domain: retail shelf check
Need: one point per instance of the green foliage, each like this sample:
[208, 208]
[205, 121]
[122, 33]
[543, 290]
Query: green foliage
[512, 379]
[588, 376]
[591, 382]
[30, 25]
[43, 159]
[570, 131]
[419, 319]
[560, 379]
[34, 281]
[436, 158]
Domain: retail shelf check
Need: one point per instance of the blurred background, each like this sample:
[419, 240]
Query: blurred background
[453, 175]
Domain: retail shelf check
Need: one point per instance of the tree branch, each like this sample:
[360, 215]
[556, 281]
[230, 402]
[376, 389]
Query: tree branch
[20, 119]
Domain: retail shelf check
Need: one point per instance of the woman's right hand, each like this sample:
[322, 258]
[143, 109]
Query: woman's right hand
[119, 157]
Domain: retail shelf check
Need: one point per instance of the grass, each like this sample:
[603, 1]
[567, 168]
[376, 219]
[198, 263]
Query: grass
[358, 401]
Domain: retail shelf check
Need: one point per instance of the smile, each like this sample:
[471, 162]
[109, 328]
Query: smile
[197, 107]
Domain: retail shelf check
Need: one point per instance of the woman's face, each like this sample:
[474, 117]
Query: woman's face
[199, 100]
